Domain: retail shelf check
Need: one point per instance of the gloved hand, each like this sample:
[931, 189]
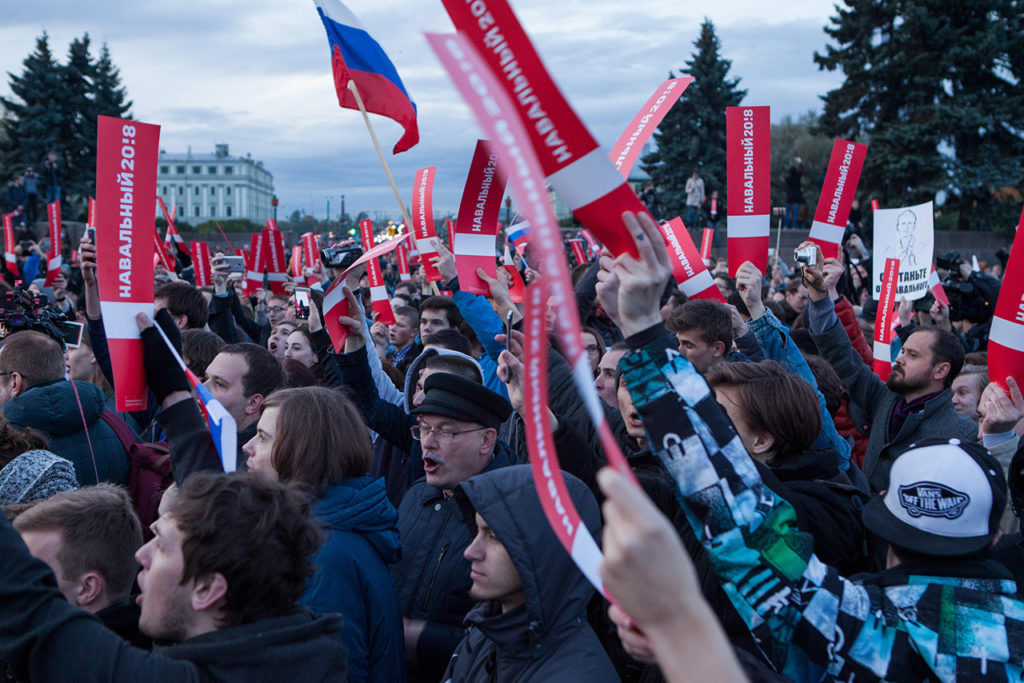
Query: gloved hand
[163, 374]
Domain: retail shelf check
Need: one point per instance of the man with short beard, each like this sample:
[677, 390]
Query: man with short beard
[915, 403]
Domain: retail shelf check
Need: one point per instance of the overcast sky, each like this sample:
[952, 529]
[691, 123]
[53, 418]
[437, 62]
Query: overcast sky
[256, 75]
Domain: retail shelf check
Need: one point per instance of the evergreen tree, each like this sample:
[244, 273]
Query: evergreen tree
[33, 121]
[78, 135]
[692, 134]
[935, 89]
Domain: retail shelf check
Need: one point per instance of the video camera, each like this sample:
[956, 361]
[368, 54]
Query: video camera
[340, 258]
[22, 310]
[973, 299]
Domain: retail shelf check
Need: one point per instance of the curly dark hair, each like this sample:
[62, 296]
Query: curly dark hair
[14, 441]
[255, 532]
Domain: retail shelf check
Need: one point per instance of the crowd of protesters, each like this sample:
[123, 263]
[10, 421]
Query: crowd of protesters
[797, 517]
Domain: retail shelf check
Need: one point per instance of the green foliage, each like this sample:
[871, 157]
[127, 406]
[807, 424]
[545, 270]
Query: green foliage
[692, 135]
[935, 88]
[54, 108]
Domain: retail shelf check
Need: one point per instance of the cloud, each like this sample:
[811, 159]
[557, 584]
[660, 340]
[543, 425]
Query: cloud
[257, 76]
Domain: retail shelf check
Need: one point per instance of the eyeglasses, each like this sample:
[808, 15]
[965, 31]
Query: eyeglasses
[276, 309]
[420, 432]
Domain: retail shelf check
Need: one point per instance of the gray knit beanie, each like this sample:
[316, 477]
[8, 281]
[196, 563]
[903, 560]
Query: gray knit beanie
[35, 475]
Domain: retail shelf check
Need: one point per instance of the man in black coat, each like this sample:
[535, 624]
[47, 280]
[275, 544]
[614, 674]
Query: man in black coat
[458, 435]
[220, 580]
[530, 619]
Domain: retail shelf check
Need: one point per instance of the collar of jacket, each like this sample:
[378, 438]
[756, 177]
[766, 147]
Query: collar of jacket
[981, 574]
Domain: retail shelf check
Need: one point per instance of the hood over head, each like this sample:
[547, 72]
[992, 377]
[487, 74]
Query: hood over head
[556, 591]
[414, 369]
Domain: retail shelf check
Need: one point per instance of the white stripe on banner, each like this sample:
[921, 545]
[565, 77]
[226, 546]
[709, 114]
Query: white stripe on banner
[119, 318]
[587, 555]
[378, 293]
[748, 226]
[1007, 333]
[698, 283]
[54, 263]
[586, 180]
[277, 277]
[882, 351]
[826, 232]
[474, 244]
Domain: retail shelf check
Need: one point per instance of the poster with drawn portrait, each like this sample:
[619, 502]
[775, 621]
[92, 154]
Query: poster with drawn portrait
[907, 234]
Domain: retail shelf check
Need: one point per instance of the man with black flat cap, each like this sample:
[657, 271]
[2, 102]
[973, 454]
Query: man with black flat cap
[458, 434]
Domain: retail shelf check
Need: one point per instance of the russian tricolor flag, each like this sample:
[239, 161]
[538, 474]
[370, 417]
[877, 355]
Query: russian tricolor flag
[518, 234]
[357, 56]
[223, 429]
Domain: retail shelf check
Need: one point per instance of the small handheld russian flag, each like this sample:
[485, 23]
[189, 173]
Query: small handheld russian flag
[223, 429]
[518, 234]
[357, 56]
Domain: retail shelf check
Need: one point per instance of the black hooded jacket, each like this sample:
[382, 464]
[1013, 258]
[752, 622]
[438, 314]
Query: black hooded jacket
[547, 638]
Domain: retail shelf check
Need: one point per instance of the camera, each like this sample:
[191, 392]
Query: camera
[340, 257]
[21, 310]
[808, 256]
[950, 261]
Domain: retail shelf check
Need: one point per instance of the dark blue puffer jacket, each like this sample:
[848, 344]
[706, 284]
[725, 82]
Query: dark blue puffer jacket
[352, 576]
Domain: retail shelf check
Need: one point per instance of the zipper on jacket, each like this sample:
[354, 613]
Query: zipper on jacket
[433, 576]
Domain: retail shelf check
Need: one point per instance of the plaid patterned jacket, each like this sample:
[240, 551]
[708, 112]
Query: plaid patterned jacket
[811, 622]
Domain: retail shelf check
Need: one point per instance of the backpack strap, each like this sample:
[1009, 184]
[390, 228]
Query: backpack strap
[122, 431]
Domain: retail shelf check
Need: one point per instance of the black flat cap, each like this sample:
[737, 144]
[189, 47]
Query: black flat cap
[462, 399]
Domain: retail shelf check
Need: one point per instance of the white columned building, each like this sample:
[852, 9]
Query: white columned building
[214, 187]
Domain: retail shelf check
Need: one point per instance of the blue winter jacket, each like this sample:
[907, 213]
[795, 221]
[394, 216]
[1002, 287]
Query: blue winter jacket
[352, 577]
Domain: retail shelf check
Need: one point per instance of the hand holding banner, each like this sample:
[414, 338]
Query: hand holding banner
[496, 114]
[748, 170]
[477, 223]
[126, 160]
[882, 364]
[833, 212]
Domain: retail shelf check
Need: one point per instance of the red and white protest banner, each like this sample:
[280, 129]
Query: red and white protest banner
[627, 148]
[126, 160]
[580, 172]
[335, 305]
[161, 256]
[477, 223]
[935, 285]
[748, 152]
[1006, 336]
[273, 258]
[688, 268]
[378, 292]
[498, 116]
[713, 209]
[311, 256]
[295, 263]
[883, 319]
[402, 257]
[90, 220]
[844, 167]
[53, 256]
[578, 252]
[254, 264]
[201, 263]
[706, 239]
[423, 220]
[516, 287]
[10, 258]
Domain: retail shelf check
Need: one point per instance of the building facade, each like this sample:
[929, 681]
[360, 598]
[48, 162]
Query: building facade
[213, 187]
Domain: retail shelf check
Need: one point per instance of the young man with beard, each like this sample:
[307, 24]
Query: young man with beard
[219, 582]
[915, 403]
